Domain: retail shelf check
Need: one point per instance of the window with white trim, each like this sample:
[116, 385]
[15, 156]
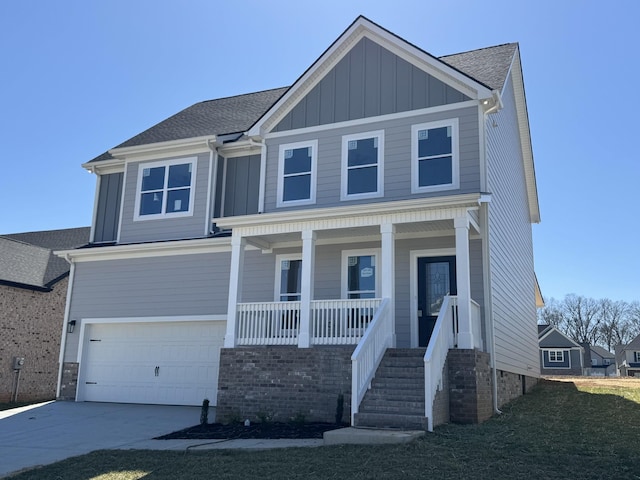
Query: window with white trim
[297, 173]
[165, 189]
[556, 356]
[434, 156]
[360, 278]
[288, 279]
[362, 165]
[636, 357]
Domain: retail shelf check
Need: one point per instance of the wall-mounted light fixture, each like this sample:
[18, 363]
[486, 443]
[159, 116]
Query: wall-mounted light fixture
[71, 326]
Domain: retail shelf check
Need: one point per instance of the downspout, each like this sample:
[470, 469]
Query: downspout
[65, 321]
[211, 189]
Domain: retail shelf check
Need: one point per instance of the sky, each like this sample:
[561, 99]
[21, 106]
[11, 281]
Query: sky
[79, 77]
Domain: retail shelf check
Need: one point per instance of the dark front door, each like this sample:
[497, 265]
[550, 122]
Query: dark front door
[436, 278]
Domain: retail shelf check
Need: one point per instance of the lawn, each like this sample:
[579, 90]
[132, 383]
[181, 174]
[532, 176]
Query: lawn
[587, 429]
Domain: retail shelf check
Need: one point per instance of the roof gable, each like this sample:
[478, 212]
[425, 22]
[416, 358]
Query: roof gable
[554, 338]
[359, 29]
[368, 81]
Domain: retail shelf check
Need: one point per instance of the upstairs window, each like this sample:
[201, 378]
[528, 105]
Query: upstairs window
[556, 356]
[165, 189]
[434, 151]
[362, 165]
[297, 173]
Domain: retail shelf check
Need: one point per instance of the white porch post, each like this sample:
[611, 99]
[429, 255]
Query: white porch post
[463, 273]
[306, 290]
[235, 286]
[387, 270]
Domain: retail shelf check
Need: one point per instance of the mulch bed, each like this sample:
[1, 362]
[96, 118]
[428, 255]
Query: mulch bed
[234, 431]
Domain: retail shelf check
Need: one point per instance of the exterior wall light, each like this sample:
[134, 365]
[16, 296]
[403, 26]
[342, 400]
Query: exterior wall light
[71, 326]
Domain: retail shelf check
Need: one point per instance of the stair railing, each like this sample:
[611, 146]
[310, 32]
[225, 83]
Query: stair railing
[442, 339]
[368, 354]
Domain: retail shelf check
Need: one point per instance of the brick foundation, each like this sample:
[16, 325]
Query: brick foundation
[283, 382]
[470, 390]
[512, 385]
[69, 381]
[441, 413]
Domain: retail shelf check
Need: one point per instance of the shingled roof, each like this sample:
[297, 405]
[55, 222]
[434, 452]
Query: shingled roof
[27, 259]
[489, 66]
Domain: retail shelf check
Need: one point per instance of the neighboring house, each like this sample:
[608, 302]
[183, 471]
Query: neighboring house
[603, 362]
[559, 355]
[242, 248]
[33, 290]
[628, 358]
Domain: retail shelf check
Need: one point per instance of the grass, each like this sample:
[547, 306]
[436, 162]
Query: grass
[586, 430]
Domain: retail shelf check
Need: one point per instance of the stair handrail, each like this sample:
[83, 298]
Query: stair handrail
[442, 339]
[368, 354]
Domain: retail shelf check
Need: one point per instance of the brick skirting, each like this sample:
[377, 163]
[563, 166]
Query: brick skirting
[281, 383]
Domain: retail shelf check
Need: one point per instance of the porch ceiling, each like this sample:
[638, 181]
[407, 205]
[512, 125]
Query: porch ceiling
[370, 232]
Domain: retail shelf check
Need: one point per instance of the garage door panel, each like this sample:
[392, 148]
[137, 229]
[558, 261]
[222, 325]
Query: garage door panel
[173, 363]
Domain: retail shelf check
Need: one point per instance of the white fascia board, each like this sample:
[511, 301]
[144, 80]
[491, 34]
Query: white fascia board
[470, 200]
[141, 250]
[359, 29]
[115, 165]
[552, 329]
[185, 146]
[525, 137]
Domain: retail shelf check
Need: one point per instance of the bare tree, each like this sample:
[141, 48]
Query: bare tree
[614, 322]
[582, 318]
[551, 313]
[633, 320]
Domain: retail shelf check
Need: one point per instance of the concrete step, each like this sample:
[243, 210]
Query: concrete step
[385, 420]
[369, 436]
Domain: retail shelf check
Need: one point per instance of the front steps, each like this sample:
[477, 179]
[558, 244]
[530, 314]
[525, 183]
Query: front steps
[396, 396]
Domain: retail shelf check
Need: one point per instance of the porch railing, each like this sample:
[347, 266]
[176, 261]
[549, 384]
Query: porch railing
[268, 323]
[368, 354]
[341, 322]
[333, 322]
[442, 339]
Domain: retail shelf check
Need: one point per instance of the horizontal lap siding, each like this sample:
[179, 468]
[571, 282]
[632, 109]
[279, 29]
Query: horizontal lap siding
[169, 228]
[510, 245]
[397, 159]
[147, 287]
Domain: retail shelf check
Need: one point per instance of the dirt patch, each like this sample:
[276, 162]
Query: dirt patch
[630, 382]
[234, 431]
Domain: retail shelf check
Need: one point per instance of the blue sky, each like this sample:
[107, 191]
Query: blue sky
[80, 77]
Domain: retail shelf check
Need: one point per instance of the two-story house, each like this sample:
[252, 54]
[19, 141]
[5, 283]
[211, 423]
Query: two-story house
[280, 252]
[628, 358]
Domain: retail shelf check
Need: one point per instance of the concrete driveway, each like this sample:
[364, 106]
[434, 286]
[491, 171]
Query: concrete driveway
[49, 432]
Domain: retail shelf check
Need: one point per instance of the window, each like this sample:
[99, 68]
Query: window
[165, 189]
[297, 173]
[556, 356]
[636, 357]
[362, 165]
[434, 152]
[289, 277]
[360, 279]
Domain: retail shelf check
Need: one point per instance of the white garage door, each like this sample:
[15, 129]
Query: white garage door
[169, 363]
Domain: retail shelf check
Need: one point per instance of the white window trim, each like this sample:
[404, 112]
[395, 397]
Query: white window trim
[314, 166]
[344, 183]
[344, 274]
[165, 163]
[636, 357]
[455, 156]
[276, 283]
[561, 352]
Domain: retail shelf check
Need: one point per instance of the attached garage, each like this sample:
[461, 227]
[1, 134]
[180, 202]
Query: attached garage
[169, 363]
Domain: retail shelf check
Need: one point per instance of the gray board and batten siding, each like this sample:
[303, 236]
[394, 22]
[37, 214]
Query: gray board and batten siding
[368, 81]
[149, 230]
[510, 244]
[242, 185]
[397, 159]
[108, 208]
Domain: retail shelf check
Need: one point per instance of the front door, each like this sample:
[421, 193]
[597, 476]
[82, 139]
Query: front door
[436, 279]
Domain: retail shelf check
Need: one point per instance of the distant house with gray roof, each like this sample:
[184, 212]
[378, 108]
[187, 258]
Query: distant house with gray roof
[628, 358]
[603, 362]
[33, 289]
[559, 355]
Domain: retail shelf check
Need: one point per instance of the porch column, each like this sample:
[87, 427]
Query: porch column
[387, 270]
[235, 287]
[463, 273]
[306, 289]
